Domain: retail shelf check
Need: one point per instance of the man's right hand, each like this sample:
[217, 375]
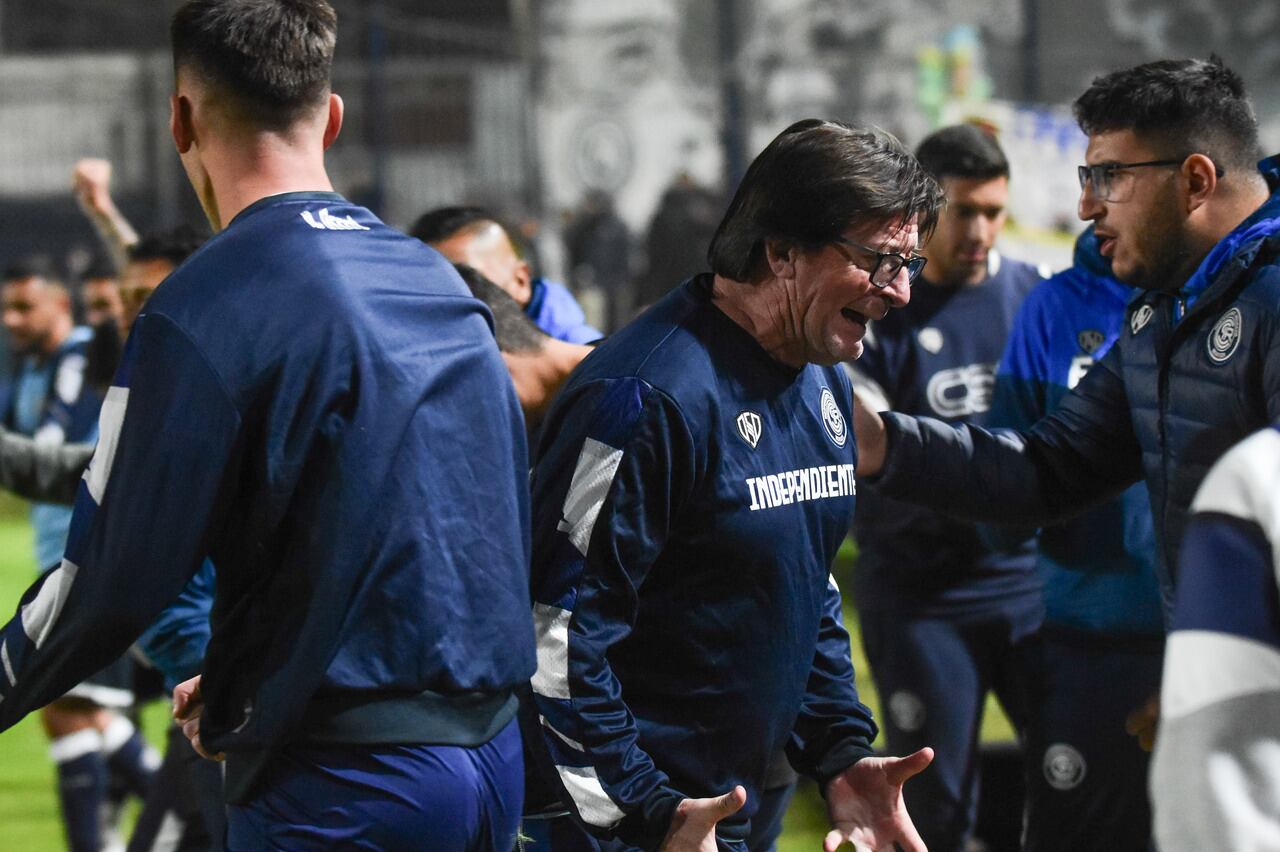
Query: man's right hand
[188, 704]
[693, 828]
[870, 434]
[91, 180]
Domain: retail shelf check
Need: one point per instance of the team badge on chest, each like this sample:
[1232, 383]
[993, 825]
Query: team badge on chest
[832, 419]
[1225, 336]
[750, 427]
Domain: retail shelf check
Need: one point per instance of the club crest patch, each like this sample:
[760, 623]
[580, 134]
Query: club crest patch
[750, 427]
[833, 420]
[1064, 766]
[907, 711]
[930, 339]
[1090, 340]
[1138, 321]
[1224, 339]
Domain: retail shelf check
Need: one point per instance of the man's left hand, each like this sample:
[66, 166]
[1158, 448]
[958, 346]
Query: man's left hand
[865, 804]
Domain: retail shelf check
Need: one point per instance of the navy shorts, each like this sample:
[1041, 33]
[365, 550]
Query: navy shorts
[933, 675]
[1087, 777]
[445, 798]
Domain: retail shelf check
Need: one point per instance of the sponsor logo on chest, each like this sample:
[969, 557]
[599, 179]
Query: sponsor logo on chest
[1139, 319]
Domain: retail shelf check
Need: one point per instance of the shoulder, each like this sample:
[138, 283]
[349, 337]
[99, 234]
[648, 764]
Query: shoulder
[1243, 482]
[1015, 276]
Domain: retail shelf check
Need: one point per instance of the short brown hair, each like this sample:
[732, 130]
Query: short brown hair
[272, 57]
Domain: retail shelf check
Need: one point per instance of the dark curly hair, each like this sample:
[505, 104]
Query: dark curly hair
[1183, 106]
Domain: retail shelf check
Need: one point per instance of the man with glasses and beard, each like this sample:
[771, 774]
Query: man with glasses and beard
[1184, 211]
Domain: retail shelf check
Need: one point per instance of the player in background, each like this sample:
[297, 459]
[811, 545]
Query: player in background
[100, 294]
[50, 400]
[304, 358]
[472, 235]
[690, 489]
[1215, 780]
[1102, 639]
[944, 618]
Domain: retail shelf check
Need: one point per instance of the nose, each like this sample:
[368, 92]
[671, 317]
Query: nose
[897, 293]
[1088, 207]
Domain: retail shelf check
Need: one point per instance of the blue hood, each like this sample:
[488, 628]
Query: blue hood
[1264, 222]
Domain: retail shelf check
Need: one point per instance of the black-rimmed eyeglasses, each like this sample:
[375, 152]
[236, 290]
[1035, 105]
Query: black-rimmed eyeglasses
[888, 264]
[1100, 178]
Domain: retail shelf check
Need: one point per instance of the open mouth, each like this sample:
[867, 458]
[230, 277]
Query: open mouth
[853, 316]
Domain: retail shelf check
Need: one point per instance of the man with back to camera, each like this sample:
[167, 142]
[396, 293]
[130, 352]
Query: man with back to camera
[305, 358]
[691, 487]
[472, 235]
[944, 618]
[1185, 213]
[1101, 643]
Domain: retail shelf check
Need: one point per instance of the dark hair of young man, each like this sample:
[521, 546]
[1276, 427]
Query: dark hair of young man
[962, 151]
[1179, 106]
[272, 58]
[100, 266]
[512, 328]
[813, 182]
[174, 245]
[443, 222]
[32, 266]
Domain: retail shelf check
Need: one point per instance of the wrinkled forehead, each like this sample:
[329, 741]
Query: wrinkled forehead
[896, 234]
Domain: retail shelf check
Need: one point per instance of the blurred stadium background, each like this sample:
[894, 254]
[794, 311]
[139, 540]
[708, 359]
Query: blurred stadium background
[606, 132]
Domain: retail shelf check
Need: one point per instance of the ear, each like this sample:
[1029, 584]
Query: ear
[781, 256]
[181, 123]
[1201, 178]
[523, 275]
[334, 125]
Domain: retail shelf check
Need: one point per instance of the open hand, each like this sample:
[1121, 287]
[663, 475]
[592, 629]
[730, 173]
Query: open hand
[865, 805]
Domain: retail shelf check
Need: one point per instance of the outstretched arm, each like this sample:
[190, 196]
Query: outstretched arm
[1082, 453]
[91, 181]
[47, 473]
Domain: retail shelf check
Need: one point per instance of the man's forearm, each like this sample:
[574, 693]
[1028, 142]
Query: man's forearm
[41, 472]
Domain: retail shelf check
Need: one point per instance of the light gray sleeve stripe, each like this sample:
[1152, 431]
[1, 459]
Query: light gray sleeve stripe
[1203, 667]
[39, 616]
[110, 421]
[597, 464]
[593, 803]
[551, 633]
[8, 666]
[1215, 778]
[572, 743]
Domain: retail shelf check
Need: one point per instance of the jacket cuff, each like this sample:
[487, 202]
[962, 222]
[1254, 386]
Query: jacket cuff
[647, 827]
[838, 759]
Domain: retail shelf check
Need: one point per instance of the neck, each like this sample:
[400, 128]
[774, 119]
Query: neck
[1221, 220]
[265, 165]
[764, 312]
